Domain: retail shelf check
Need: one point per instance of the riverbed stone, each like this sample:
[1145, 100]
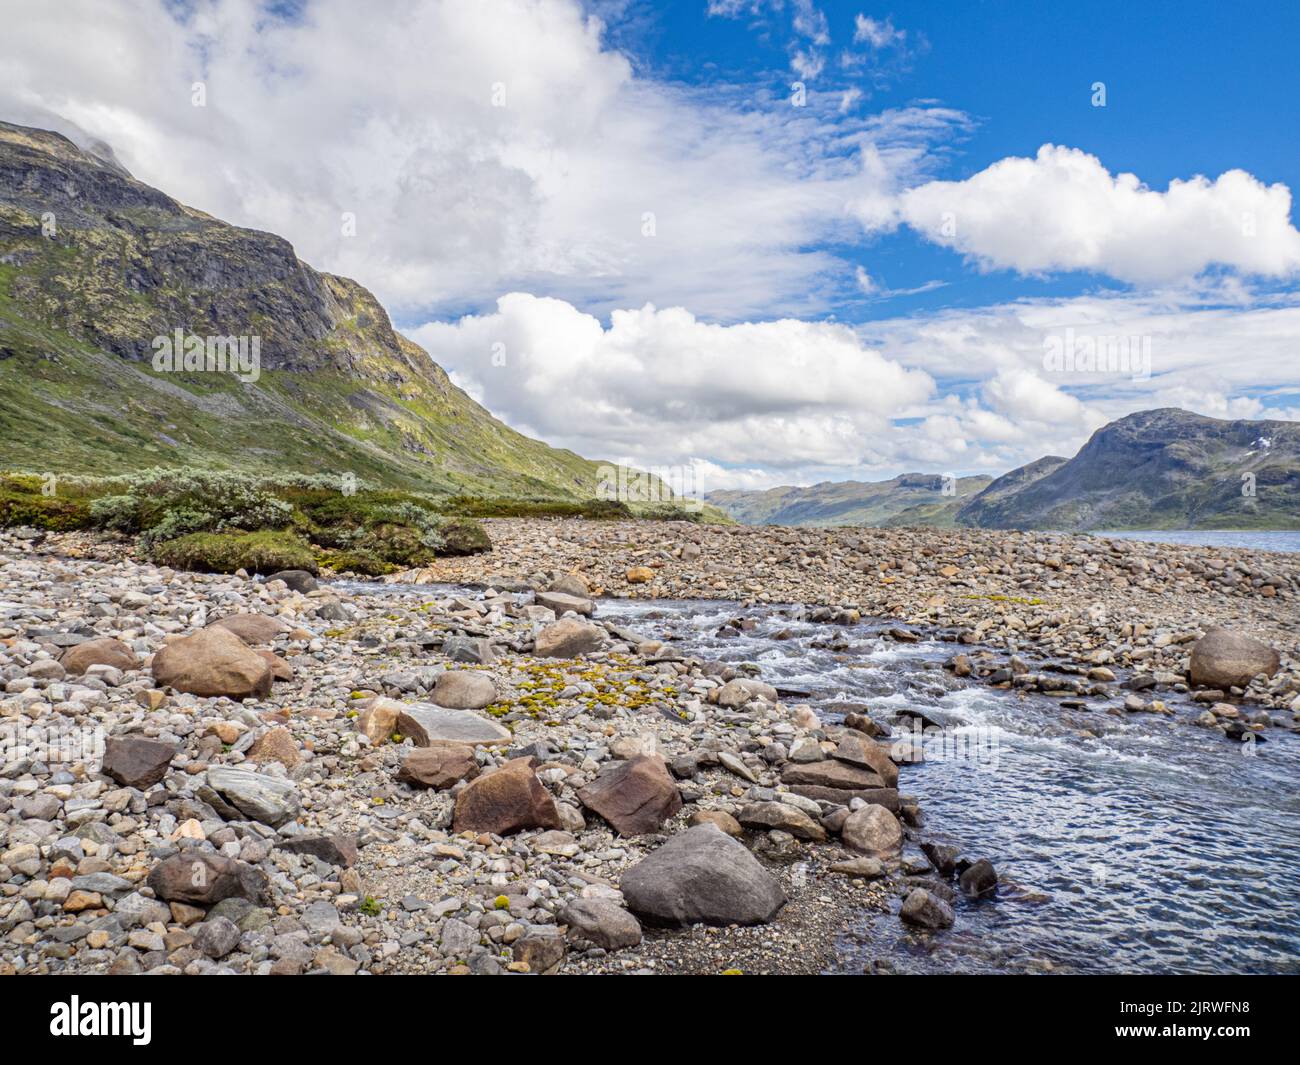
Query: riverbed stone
[1225, 658]
[568, 638]
[505, 801]
[425, 724]
[702, 876]
[136, 762]
[212, 662]
[873, 831]
[105, 651]
[635, 796]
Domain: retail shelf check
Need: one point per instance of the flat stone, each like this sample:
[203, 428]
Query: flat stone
[831, 774]
[560, 603]
[777, 815]
[424, 724]
[255, 795]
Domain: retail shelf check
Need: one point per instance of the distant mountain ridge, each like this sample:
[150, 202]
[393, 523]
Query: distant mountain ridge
[95, 265]
[921, 495]
[1156, 469]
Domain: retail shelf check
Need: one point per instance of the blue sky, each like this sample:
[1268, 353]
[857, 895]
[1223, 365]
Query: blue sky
[1191, 88]
[610, 223]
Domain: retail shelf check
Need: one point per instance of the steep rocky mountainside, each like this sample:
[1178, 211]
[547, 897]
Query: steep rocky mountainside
[94, 265]
[909, 499]
[1157, 469]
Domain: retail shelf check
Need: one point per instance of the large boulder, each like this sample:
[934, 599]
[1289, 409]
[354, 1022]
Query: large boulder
[439, 766]
[568, 638]
[463, 689]
[251, 628]
[635, 796]
[104, 652]
[702, 875]
[425, 724]
[214, 661]
[560, 602]
[241, 794]
[873, 831]
[507, 800]
[1223, 658]
[201, 879]
[135, 762]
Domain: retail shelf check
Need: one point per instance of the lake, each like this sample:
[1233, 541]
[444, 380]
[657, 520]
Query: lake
[1249, 539]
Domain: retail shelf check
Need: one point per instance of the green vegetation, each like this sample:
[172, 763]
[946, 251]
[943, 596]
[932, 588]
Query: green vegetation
[221, 521]
[267, 551]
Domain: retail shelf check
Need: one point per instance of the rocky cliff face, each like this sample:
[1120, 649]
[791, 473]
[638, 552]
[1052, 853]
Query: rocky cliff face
[95, 265]
[1161, 469]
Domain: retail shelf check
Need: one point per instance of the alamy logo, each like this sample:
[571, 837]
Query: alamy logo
[178, 353]
[1085, 354]
[77, 1018]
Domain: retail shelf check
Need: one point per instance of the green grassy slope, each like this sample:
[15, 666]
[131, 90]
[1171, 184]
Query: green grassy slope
[340, 390]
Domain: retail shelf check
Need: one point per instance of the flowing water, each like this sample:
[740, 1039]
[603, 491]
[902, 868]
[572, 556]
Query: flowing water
[1156, 846]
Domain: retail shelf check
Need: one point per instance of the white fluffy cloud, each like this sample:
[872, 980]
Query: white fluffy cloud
[660, 386]
[587, 181]
[1062, 210]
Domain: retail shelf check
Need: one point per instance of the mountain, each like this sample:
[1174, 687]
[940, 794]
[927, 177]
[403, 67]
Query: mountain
[909, 499]
[985, 508]
[1157, 469]
[97, 268]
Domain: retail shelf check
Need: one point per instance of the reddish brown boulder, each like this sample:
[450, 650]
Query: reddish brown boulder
[507, 800]
[635, 796]
[439, 766]
[106, 652]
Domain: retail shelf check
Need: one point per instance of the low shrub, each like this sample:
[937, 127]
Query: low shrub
[23, 503]
[265, 551]
[502, 507]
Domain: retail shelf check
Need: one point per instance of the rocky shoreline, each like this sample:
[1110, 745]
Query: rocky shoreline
[262, 778]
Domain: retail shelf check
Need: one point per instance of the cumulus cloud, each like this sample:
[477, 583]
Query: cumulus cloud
[481, 147]
[1062, 210]
[661, 386]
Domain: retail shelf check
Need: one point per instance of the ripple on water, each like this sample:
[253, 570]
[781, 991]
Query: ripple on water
[1153, 847]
